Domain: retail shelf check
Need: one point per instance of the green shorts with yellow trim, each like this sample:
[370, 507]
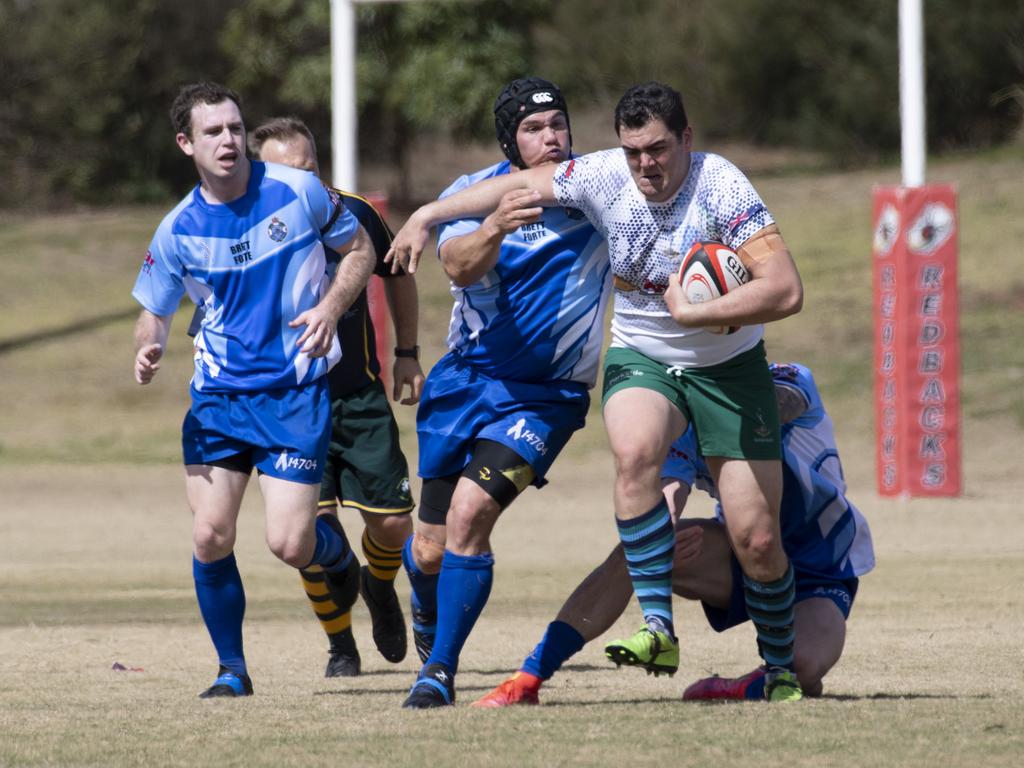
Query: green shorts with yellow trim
[732, 405]
[365, 466]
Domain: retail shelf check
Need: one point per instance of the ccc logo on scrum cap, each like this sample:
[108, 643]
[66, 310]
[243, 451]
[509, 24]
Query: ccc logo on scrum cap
[544, 97]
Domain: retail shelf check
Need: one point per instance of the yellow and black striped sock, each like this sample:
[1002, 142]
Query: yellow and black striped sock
[333, 619]
[384, 562]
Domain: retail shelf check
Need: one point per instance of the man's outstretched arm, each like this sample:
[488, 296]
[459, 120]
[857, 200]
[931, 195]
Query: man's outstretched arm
[476, 201]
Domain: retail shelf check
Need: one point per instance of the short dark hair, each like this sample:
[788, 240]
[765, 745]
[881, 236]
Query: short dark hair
[280, 128]
[649, 101]
[198, 93]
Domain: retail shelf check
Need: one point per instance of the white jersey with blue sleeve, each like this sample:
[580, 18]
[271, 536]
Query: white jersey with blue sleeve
[647, 241]
[539, 314]
[822, 532]
[253, 265]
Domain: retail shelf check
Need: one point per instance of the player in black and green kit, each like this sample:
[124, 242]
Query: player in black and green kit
[365, 467]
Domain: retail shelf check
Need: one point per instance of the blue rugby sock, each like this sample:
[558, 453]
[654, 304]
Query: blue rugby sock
[561, 642]
[424, 585]
[650, 544]
[463, 587]
[332, 552]
[222, 605]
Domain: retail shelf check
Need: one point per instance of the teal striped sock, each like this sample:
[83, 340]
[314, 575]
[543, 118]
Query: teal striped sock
[770, 607]
[650, 544]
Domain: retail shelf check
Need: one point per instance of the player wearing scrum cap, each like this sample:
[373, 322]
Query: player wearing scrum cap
[652, 198]
[530, 290]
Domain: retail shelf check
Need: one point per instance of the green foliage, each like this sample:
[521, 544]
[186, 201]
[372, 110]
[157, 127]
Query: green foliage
[88, 82]
[89, 85]
[596, 49]
[421, 66]
[815, 75]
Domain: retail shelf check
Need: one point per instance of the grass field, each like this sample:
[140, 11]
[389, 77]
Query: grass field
[94, 545]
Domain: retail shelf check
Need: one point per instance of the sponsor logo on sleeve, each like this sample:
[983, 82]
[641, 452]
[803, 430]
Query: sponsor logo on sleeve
[148, 262]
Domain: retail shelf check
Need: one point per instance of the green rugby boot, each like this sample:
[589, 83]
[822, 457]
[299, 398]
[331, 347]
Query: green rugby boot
[654, 651]
[780, 684]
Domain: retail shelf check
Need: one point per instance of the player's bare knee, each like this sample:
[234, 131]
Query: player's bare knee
[761, 555]
[293, 555]
[427, 552]
[291, 549]
[470, 525]
[211, 542]
[637, 465]
[810, 672]
[389, 530]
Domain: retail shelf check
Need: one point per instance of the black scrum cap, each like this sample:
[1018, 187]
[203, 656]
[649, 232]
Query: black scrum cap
[518, 99]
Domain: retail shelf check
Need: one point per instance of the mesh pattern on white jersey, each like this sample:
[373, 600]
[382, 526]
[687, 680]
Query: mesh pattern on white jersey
[647, 241]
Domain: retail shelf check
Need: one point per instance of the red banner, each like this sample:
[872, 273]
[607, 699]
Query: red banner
[917, 347]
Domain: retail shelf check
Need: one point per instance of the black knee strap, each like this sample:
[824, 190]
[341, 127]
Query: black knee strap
[500, 471]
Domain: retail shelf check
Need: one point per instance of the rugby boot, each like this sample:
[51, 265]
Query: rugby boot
[228, 685]
[651, 650]
[434, 687]
[521, 688]
[343, 657]
[780, 684]
[386, 614]
[715, 687]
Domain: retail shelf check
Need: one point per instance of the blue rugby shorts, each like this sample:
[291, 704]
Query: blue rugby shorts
[461, 405]
[840, 590]
[286, 430]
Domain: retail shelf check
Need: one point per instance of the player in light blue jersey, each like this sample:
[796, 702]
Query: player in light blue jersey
[825, 536]
[248, 245]
[525, 340]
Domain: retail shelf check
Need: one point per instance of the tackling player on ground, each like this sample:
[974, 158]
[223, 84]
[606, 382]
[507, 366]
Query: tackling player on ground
[652, 198]
[530, 290]
[826, 537]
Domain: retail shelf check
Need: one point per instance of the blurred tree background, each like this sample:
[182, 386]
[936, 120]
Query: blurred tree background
[87, 83]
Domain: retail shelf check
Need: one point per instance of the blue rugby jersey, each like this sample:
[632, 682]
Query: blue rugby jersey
[253, 265]
[822, 532]
[539, 314]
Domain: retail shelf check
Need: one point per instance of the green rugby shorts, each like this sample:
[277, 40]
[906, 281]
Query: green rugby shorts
[365, 466]
[732, 405]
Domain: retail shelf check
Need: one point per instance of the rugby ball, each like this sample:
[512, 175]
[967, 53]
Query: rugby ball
[710, 270]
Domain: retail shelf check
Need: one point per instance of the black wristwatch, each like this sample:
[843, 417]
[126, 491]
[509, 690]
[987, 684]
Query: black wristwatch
[413, 352]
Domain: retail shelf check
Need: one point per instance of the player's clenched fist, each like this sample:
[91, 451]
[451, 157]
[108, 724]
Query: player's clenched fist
[516, 208]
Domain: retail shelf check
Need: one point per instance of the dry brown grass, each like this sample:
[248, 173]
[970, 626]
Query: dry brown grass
[94, 546]
[96, 572]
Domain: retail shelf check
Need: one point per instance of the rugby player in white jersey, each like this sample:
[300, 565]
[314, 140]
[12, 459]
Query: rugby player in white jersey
[247, 243]
[530, 290]
[826, 537]
[652, 198]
